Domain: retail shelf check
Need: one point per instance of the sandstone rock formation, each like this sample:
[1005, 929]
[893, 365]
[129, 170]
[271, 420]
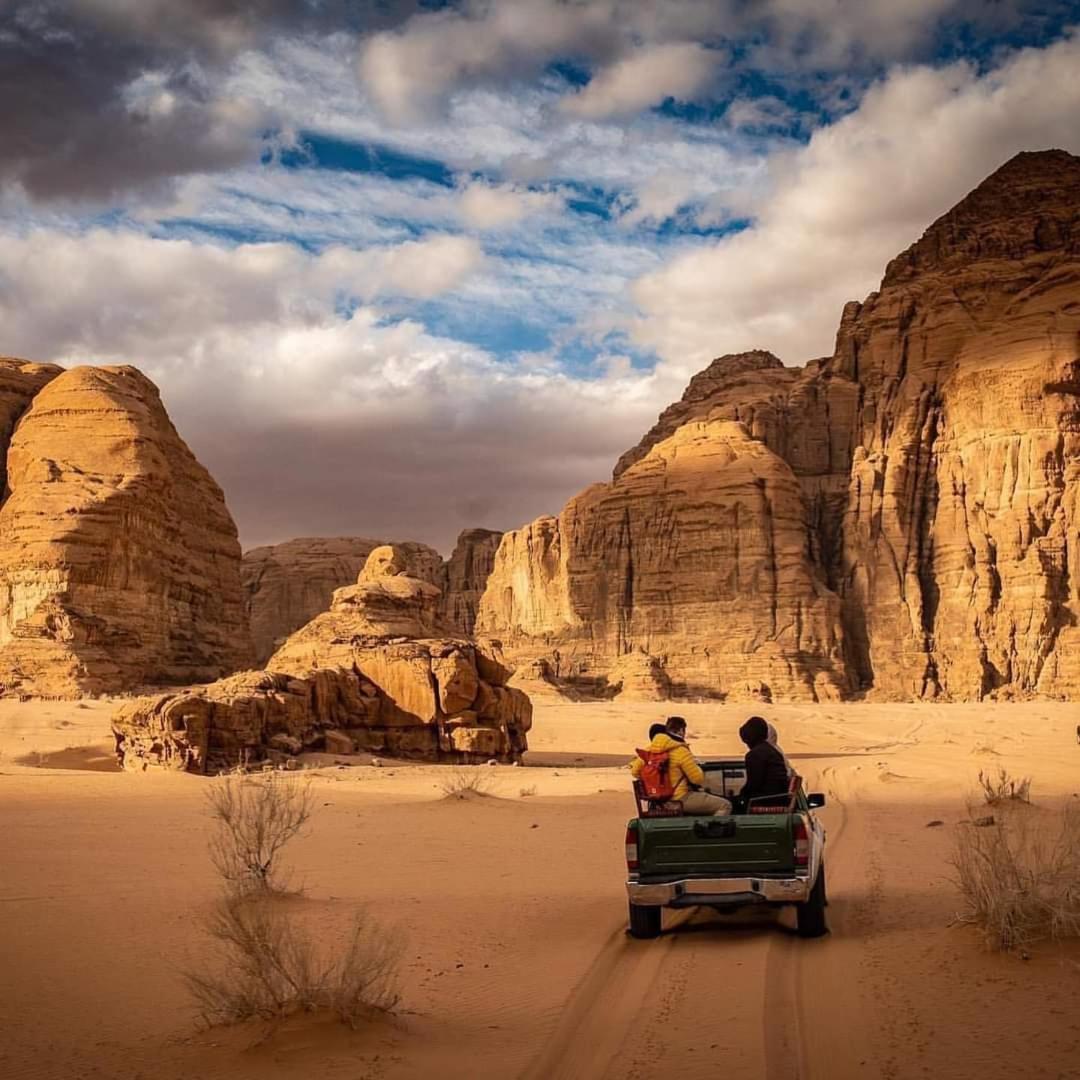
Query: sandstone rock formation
[696, 553]
[440, 697]
[288, 584]
[960, 535]
[20, 380]
[900, 517]
[119, 563]
[242, 720]
[636, 676]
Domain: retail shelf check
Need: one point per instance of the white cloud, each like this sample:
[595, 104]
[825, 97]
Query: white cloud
[861, 191]
[319, 418]
[494, 206]
[644, 78]
[407, 70]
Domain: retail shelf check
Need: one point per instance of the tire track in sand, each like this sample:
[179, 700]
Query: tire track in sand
[815, 1022]
[602, 1009]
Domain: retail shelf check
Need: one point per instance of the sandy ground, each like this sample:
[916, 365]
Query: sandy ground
[512, 911]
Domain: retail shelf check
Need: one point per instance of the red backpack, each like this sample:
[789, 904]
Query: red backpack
[655, 775]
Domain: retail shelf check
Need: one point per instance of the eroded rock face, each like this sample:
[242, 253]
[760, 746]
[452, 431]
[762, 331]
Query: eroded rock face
[286, 585]
[119, 562]
[20, 380]
[901, 517]
[464, 578]
[440, 697]
[960, 537]
[697, 555]
[243, 720]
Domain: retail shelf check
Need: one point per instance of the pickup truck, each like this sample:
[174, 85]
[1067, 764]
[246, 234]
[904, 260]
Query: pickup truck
[771, 854]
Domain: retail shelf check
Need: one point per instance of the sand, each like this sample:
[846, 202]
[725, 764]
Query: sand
[512, 913]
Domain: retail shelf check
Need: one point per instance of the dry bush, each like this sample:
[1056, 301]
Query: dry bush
[997, 789]
[467, 780]
[256, 817]
[270, 968]
[1020, 875]
[525, 792]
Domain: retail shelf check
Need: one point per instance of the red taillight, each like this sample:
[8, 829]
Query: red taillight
[802, 843]
[631, 849]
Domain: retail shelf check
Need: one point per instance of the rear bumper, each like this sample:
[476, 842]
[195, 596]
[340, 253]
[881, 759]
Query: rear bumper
[719, 892]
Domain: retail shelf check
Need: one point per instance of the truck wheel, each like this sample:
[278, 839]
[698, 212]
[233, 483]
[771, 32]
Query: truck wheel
[811, 914]
[645, 921]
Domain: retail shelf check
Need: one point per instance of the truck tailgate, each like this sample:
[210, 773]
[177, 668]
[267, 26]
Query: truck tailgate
[715, 846]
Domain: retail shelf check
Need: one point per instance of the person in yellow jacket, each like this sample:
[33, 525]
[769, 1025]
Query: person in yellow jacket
[686, 775]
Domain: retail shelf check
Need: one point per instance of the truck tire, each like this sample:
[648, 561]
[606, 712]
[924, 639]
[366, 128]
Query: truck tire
[811, 914]
[645, 921]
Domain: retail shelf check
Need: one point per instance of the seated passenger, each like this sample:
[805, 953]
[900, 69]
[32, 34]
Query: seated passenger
[766, 768]
[685, 776]
[774, 740]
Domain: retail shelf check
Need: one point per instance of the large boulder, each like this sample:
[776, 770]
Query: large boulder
[441, 697]
[119, 562]
[242, 720]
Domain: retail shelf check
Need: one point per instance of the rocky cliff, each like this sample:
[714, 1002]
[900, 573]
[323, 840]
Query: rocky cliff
[119, 563]
[960, 533]
[696, 554]
[900, 517]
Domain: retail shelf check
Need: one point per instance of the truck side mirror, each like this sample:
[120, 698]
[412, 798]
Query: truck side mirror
[815, 800]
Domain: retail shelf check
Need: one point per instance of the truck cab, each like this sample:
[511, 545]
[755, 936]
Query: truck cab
[770, 853]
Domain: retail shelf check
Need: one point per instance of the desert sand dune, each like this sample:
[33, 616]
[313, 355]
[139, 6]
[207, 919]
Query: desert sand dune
[512, 910]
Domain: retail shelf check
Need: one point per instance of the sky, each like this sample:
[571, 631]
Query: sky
[405, 268]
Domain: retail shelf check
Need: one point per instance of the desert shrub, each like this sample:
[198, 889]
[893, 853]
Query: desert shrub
[466, 780]
[256, 816]
[1019, 875]
[1002, 787]
[269, 967]
[525, 792]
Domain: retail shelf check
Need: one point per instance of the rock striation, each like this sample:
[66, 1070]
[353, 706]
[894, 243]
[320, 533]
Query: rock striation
[119, 562]
[902, 517]
[960, 533]
[20, 380]
[440, 696]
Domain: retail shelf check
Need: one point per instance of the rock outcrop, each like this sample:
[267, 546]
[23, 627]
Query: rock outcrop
[636, 676]
[440, 696]
[286, 585]
[902, 517]
[243, 720]
[119, 563]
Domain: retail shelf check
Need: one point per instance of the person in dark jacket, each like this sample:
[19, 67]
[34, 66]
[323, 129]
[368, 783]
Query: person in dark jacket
[766, 769]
